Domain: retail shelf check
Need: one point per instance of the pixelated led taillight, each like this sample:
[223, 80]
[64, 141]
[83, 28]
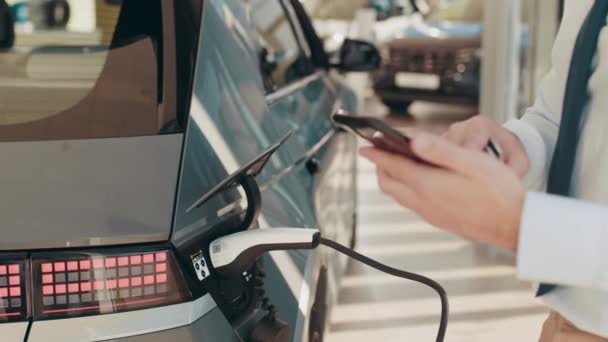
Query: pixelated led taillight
[13, 305]
[90, 284]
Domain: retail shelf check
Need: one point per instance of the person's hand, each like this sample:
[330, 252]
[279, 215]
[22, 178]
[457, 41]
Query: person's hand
[475, 134]
[468, 192]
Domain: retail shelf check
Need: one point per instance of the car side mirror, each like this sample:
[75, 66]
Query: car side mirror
[357, 55]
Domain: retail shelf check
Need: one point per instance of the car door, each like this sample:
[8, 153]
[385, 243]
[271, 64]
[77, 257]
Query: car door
[303, 92]
[229, 125]
[236, 112]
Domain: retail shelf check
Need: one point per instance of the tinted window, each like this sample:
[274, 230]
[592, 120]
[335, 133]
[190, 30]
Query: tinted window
[282, 55]
[101, 82]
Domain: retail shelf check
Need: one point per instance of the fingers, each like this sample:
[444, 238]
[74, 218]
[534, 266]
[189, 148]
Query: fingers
[513, 152]
[397, 190]
[410, 173]
[455, 134]
[398, 167]
[440, 152]
[518, 162]
[474, 133]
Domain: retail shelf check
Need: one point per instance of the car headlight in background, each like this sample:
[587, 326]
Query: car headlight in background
[465, 59]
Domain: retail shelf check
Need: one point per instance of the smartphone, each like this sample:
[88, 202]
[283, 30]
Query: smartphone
[383, 136]
[376, 131]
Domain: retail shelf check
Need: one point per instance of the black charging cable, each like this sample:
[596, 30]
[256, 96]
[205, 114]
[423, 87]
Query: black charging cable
[443, 323]
[235, 253]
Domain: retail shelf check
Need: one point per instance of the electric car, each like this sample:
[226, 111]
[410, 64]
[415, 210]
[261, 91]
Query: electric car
[127, 150]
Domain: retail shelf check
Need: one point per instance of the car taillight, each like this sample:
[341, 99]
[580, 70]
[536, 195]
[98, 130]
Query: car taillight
[12, 289]
[90, 283]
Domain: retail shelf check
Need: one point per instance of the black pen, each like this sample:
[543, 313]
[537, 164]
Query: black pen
[493, 149]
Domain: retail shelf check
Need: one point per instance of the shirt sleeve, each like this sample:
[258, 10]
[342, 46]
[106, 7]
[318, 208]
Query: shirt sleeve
[563, 241]
[538, 128]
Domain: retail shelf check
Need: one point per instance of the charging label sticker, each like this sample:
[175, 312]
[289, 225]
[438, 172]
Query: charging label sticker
[201, 268]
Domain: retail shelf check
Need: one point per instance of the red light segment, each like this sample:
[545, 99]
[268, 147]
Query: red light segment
[161, 256]
[148, 258]
[85, 286]
[15, 292]
[109, 281]
[123, 261]
[47, 290]
[136, 281]
[85, 264]
[60, 289]
[47, 278]
[161, 267]
[59, 266]
[135, 259]
[161, 278]
[110, 262]
[72, 265]
[47, 267]
[11, 282]
[14, 269]
[111, 284]
[98, 263]
[73, 288]
[99, 285]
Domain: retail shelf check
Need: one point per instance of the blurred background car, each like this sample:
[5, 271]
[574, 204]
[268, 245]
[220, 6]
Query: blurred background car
[432, 61]
[434, 57]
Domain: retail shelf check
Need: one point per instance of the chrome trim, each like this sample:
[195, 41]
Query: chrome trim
[121, 325]
[293, 87]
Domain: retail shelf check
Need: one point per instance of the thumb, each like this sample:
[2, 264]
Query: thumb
[442, 153]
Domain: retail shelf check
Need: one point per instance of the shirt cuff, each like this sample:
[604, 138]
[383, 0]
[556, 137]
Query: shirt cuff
[563, 241]
[535, 149]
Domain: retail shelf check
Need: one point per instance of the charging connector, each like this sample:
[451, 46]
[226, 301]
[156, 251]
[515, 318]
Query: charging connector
[234, 254]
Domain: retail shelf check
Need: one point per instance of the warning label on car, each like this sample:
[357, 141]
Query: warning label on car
[200, 265]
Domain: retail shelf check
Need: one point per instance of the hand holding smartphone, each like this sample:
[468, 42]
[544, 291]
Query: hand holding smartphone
[383, 136]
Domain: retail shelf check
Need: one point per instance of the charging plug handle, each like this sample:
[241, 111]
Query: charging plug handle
[236, 253]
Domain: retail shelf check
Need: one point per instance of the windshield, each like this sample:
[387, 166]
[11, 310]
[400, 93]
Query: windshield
[96, 75]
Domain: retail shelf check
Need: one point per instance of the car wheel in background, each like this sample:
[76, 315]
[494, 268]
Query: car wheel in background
[397, 107]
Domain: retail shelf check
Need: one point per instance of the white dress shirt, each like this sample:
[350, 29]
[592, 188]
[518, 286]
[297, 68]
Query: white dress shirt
[565, 241]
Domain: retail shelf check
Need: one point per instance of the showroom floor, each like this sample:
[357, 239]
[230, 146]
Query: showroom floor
[487, 302]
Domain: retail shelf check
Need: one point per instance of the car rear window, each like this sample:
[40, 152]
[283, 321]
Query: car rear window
[103, 81]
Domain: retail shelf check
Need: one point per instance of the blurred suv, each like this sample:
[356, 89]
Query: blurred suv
[105, 148]
[433, 57]
[430, 61]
